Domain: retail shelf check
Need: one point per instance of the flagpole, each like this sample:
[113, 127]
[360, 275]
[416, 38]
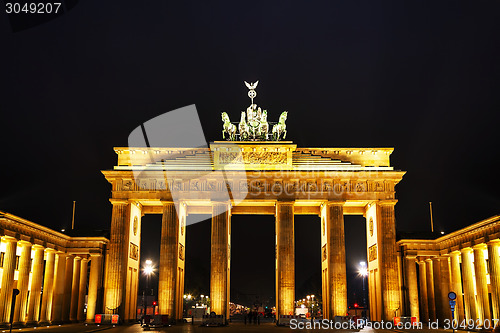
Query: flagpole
[432, 221]
[73, 219]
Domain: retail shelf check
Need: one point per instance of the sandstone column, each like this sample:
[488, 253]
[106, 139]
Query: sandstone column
[116, 265]
[36, 286]
[48, 287]
[456, 286]
[436, 276]
[68, 281]
[481, 283]
[59, 286]
[220, 256]
[9, 265]
[169, 251]
[82, 290]
[430, 290]
[411, 274]
[423, 291]
[333, 215]
[94, 285]
[469, 297]
[444, 287]
[388, 263]
[494, 266]
[75, 289]
[22, 283]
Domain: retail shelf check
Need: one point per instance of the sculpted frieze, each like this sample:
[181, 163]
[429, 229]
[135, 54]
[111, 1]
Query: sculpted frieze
[253, 157]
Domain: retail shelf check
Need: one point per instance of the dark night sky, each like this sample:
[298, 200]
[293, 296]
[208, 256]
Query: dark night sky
[422, 77]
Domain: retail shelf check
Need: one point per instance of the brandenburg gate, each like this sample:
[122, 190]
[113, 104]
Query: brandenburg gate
[260, 174]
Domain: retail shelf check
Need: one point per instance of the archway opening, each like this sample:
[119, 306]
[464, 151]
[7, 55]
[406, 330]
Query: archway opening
[308, 263]
[355, 249]
[252, 264]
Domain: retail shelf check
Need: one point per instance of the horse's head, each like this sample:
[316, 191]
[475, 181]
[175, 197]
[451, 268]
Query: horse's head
[264, 115]
[283, 116]
[242, 116]
[225, 117]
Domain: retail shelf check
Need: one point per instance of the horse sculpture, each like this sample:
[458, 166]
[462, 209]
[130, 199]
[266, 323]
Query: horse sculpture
[280, 127]
[228, 128]
[264, 125]
[243, 128]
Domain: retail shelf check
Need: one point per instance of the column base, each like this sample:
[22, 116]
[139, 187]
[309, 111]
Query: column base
[32, 323]
[44, 323]
[19, 324]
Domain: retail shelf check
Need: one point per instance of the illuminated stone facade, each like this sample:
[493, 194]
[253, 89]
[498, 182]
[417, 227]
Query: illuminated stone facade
[466, 262]
[271, 178]
[33, 256]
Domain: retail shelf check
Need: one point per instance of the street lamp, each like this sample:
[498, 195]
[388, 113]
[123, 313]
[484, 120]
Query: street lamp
[147, 270]
[363, 271]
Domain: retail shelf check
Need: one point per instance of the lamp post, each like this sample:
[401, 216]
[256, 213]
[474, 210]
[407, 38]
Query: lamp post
[147, 270]
[363, 271]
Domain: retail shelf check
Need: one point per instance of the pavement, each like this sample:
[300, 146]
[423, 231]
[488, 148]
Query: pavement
[188, 328]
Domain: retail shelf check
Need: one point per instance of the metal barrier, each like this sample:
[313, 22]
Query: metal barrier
[110, 319]
[404, 320]
[213, 320]
[155, 321]
[284, 320]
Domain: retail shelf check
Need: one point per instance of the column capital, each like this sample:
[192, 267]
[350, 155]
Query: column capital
[495, 242]
[285, 201]
[137, 203]
[480, 246]
[23, 243]
[9, 239]
[391, 202]
[118, 201]
[411, 256]
[38, 247]
[455, 253]
[334, 203]
[466, 249]
[167, 202]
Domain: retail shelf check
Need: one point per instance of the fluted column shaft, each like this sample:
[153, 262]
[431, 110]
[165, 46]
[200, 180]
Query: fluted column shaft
[9, 265]
[444, 287]
[494, 266]
[456, 286]
[59, 286]
[75, 289]
[436, 275]
[431, 300]
[335, 256]
[481, 283]
[48, 287]
[82, 290]
[22, 284]
[116, 266]
[220, 256]
[411, 274]
[469, 296]
[423, 291]
[169, 251]
[94, 285]
[68, 281]
[36, 286]
[389, 264]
